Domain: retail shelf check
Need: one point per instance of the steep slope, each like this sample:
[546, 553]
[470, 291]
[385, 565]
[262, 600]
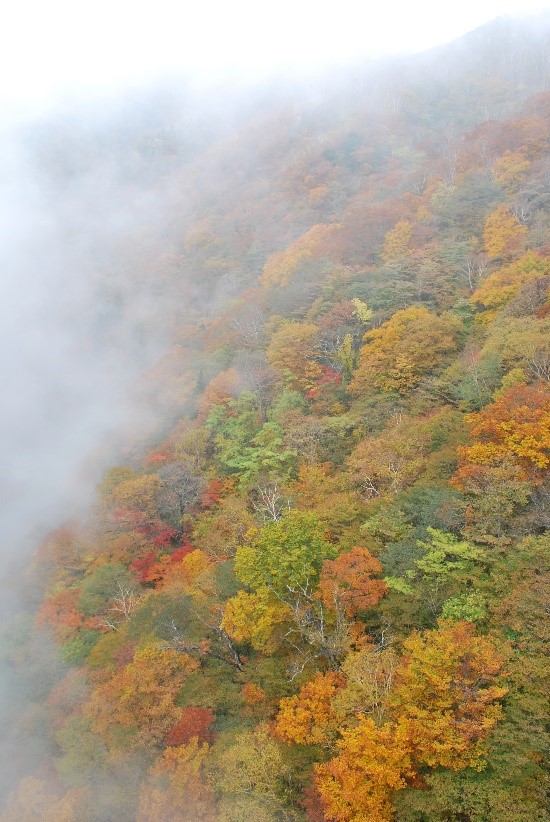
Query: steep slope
[316, 586]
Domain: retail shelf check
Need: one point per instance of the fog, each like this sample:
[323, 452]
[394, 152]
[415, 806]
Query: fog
[47, 50]
[86, 198]
[94, 147]
[84, 192]
[68, 351]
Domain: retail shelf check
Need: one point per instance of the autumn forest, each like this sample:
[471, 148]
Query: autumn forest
[314, 586]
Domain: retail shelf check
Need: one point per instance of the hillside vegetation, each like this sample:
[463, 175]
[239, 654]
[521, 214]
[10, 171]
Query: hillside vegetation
[320, 590]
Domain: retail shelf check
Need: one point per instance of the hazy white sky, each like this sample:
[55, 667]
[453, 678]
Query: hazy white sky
[50, 46]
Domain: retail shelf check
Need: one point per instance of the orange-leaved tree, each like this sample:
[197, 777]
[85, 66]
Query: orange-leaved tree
[219, 390]
[140, 699]
[357, 785]
[515, 428]
[308, 717]
[440, 706]
[195, 722]
[349, 581]
[177, 787]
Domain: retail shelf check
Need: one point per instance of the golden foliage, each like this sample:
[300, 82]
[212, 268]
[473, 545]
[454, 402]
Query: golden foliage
[397, 242]
[316, 242]
[503, 234]
[510, 169]
[141, 697]
[408, 345]
[445, 691]
[515, 427]
[255, 618]
[373, 762]
[502, 285]
[309, 718]
[177, 788]
[291, 352]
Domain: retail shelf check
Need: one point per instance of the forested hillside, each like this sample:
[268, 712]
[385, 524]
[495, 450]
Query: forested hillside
[316, 586]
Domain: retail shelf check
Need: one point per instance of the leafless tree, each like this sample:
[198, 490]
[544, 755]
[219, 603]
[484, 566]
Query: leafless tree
[306, 435]
[250, 326]
[269, 503]
[180, 489]
[124, 602]
[473, 269]
[217, 643]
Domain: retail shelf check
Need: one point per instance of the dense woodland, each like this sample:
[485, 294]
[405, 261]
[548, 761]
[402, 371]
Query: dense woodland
[316, 589]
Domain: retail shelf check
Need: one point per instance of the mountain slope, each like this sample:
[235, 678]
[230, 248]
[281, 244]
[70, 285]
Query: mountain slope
[315, 586]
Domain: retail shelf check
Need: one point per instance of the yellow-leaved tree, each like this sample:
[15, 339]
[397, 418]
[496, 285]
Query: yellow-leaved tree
[291, 353]
[502, 285]
[281, 266]
[408, 345]
[397, 242]
[503, 234]
[434, 708]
